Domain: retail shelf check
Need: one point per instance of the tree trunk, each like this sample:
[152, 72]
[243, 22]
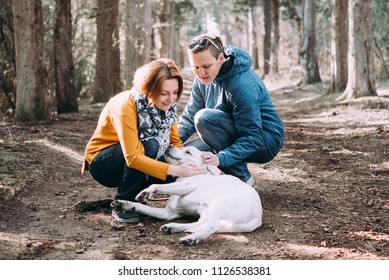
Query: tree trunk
[360, 52]
[339, 46]
[310, 66]
[165, 22]
[267, 9]
[7, 60]
[106, 82]
[147, 31]
[276, 35]
[115, 49]
[31, 74]
[254, 35]
[138, 37]
[298, 18]
[63, 62]
[173, 38]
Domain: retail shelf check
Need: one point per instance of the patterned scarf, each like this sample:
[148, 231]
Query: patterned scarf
[152, 122]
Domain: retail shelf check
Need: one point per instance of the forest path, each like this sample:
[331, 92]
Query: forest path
[325, 196]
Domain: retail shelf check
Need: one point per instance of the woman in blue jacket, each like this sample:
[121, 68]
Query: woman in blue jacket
[230, 109]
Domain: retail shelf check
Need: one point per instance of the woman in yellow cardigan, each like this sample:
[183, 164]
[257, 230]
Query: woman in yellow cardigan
[134, 129]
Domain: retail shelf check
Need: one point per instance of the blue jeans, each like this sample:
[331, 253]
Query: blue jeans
[216, 130]
[110, 169]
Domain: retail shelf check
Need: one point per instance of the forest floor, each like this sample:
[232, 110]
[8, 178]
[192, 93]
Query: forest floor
[325, 196]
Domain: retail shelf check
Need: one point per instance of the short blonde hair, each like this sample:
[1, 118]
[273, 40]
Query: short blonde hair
[148, 78]
[216, 47]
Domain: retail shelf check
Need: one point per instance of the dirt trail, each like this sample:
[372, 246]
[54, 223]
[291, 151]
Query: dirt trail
[325, 196]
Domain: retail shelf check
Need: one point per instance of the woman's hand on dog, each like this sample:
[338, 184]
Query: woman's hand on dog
[186, 170]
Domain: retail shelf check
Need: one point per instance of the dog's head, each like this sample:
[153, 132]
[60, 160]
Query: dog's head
[178, 156]
[190, 154]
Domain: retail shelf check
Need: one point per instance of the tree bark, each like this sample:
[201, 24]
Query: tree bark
[174, 37]
[339, 46]
[310, 66]
[63, 63]
[267, 38]
[106, 81]
[298, 18]
[254, 35]
[31, 74]
[115, 49]
[360, 52]
[165, 21]
[276, 35]
[7, 60]
[138, 37]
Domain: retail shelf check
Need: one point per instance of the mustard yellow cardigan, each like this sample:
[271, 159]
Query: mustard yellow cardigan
[118, 123]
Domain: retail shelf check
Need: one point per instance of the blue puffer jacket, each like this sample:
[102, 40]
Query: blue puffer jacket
[241, 93]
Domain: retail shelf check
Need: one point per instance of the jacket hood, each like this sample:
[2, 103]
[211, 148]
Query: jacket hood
[241, 62]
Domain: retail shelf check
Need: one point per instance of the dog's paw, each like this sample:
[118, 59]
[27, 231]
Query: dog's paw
[117, 205]
[142, 197]
[146, 194]
[166, 229]
[189, 241]
[122, 205]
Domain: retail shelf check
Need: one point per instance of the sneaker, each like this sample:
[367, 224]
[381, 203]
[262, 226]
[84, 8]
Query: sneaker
[251, 182]
[127, 217]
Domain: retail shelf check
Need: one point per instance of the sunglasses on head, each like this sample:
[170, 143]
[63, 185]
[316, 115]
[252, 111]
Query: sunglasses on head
[191, 44]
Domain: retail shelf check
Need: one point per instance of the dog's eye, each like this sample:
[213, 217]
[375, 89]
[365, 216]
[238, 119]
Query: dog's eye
[188, 153]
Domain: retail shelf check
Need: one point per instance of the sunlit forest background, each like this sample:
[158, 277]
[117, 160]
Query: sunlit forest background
[89, 49]
[325, 196]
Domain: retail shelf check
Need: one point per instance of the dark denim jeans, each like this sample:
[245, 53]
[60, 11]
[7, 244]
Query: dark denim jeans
[110, 169]
[216, 130]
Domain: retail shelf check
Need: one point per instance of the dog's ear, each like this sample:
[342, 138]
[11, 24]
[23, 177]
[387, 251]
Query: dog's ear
[214, 170]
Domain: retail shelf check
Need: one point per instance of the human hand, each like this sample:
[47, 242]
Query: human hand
[211, 158]
[186, 170]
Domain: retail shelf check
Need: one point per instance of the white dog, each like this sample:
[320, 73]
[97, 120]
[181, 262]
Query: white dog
[224, 203]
